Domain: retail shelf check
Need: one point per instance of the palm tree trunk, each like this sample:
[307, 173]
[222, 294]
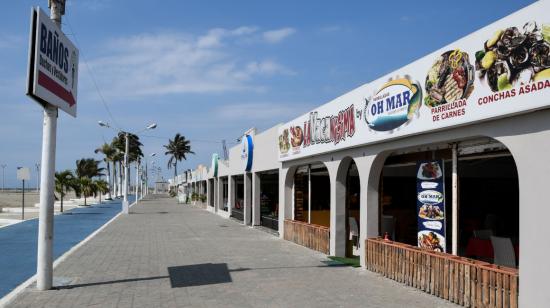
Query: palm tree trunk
[175, 169]
[85, 204]
[62, 195]
[108, 180]
[114, 178]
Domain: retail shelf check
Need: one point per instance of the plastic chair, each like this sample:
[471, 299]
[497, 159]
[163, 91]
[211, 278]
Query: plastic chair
[483, 234]
[353, 228]
[504, 251]
[388, 225]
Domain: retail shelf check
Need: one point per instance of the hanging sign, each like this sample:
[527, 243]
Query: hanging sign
[247, 152]
[214, 166]
[52, 76]
[430, 187]
[499, 71]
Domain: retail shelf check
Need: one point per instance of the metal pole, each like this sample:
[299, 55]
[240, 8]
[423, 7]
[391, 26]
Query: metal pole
[309, 194]
[3, 169]
[137, 179]
[455, 201]
[125, 205]
[23, 203]
[45, 221]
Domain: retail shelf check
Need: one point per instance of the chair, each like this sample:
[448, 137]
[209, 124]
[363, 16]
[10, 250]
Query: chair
[483, 234]
[353, 229]
[504, 251]
[354, 235]
[388, 225]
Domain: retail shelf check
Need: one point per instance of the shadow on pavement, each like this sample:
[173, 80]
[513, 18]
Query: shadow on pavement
[197, 275]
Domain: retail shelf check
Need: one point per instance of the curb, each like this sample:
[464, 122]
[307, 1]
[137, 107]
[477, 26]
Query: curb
[4, 301]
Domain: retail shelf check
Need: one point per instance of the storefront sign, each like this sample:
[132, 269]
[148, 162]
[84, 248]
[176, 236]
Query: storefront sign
[247, 152]
[53, 64]
[501, 70]
[430, 187]
[214, 166]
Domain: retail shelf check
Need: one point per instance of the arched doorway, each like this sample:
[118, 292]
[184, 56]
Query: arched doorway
[312, 194]
[353, 194]
[486, 200]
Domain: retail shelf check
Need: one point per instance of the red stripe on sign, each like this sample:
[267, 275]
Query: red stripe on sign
[55, 88]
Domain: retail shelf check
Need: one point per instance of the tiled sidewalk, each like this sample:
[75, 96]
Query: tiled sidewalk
[168, 255]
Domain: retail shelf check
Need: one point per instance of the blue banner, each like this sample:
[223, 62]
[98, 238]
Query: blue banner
[430, 187]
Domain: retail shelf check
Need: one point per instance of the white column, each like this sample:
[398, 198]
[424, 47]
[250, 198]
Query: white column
[338, 236]
[247, 198]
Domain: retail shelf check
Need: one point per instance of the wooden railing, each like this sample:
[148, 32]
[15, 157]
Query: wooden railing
[309, 235]
[463, 281]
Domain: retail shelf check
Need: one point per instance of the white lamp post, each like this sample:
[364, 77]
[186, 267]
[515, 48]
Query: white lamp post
[125, 204]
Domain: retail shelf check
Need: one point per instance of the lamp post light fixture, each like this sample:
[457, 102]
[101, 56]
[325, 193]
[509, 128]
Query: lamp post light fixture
[125, 188]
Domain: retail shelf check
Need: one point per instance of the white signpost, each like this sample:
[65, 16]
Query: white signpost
[23, 174]
[52, 81]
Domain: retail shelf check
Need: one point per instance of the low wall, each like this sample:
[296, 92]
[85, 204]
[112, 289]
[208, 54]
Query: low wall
[309, 235]
[463, 281]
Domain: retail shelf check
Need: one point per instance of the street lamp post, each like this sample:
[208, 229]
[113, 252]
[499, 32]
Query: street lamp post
[37, 165]
[147, 173]
[125, 188]
[3, 167]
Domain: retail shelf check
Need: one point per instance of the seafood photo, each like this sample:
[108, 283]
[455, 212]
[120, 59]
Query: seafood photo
[431, 240]
[284, 144]
[513, 55]
[297, 136]
[449, 79]
[430, 211]
[429, 171]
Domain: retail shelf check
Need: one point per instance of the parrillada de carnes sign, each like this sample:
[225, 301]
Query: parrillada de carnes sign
[499, 71]
[53, 64]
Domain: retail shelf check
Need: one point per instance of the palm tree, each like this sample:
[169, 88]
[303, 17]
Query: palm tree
[102, 187]
[177, 148]
[88, 167]
[64, 182]
[109, 152]
[87, 187]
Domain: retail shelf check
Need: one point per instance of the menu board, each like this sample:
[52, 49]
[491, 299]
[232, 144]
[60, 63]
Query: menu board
[499, 71]
[430, 187]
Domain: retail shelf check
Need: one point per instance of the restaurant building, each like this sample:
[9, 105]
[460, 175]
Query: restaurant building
[435, 175]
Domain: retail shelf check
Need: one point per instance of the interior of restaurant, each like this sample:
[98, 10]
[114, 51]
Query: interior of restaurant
[312, 195]
[353, 192]
[488, 201]
[269, 199]
[225, 194]
[238, 204]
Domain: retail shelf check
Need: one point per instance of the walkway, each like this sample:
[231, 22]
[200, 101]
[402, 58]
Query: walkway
[170, 255]
[18, 242]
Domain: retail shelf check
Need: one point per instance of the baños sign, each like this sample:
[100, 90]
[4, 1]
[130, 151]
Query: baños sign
[498, 71]
[52, 76]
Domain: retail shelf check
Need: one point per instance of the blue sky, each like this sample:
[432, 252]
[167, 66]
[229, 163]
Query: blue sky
[212, 69]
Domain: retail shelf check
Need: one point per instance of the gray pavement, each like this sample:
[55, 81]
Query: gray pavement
[170, 255]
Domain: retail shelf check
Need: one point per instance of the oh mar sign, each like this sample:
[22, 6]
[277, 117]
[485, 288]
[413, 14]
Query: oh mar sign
[53, 64]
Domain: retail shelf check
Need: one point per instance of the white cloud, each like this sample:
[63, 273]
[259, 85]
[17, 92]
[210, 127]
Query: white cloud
[174, 63]
[263, 111]
[276, 36]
